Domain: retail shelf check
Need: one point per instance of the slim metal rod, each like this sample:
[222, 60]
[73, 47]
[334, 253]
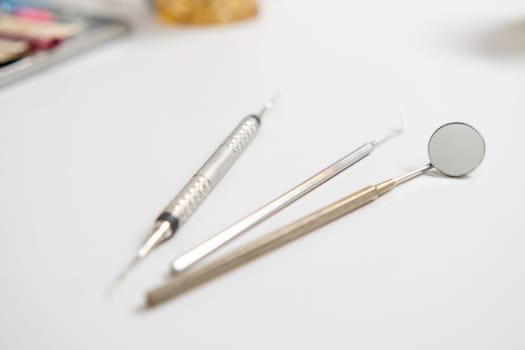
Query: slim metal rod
[412, 174]
[235, 230]
[274, 206]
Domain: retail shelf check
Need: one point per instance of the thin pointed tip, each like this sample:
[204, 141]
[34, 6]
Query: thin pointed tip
[394, 132]
[269, 105]
[120, 277]
[275, 98]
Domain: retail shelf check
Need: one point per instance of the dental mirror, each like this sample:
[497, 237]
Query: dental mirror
[455, 149]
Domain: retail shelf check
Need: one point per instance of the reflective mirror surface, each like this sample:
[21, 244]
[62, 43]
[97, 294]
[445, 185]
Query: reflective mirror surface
[456, 149]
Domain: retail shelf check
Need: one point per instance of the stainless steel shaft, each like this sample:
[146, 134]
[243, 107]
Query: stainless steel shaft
[188, 279]
[274, 206]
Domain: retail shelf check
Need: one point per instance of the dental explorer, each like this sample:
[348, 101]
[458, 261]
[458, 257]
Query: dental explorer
[455, 150]
[279, 203]
[201, 184]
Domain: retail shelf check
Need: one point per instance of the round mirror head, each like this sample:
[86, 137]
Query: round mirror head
[456, 149]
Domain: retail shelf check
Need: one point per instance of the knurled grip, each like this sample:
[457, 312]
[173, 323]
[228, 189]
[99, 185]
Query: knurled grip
[189, 198]
[243, 134]
[207, 177]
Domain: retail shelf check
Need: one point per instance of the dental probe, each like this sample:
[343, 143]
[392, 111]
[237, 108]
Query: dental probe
[279, 203]
[200, 185]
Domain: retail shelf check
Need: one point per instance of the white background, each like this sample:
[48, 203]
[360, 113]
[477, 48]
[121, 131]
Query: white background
[91, 150]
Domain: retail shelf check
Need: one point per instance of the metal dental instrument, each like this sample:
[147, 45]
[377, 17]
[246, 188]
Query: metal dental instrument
[455, 149]
[274, 206]
[201, 184]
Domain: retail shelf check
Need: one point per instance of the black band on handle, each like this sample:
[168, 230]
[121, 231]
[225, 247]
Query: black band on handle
[167, 216]
[256, 117]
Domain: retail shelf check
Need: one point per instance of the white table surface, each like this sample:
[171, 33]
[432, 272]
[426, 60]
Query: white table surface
[92, 149]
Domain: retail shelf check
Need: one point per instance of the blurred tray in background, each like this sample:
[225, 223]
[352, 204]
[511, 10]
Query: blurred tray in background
[35, 37]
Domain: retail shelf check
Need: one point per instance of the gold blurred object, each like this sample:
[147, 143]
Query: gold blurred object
[205, 11]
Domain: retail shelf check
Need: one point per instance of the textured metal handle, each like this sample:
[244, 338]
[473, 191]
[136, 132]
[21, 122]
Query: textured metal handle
[189, 198]
[243, 134]
[207, 177]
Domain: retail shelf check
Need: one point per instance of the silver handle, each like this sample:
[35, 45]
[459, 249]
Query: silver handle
[200, 185]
